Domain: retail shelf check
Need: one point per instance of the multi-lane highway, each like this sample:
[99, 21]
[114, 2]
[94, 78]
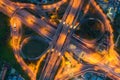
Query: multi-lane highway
[38, 25]
[57, 44]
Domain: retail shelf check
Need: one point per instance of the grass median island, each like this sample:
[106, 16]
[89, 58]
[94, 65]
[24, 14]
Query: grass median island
[34, 48]
[6, 52]
[116, 28]
[89, 29]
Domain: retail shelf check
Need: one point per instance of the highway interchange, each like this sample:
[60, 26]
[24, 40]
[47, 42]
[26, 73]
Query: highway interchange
[62, 37]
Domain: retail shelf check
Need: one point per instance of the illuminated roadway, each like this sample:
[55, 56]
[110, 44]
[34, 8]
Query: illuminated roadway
[16, 34]
[57, 44]
[44, 7]
[106, 64]
[31, 21]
